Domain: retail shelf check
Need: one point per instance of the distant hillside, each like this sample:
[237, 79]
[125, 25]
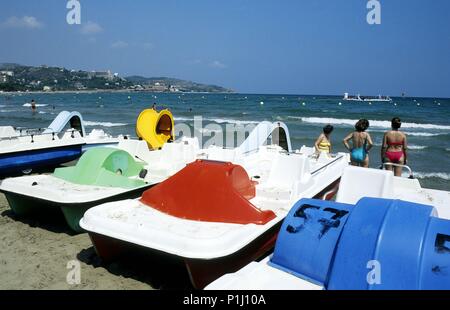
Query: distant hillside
[16, 77]
[8, 66]
[181, 85]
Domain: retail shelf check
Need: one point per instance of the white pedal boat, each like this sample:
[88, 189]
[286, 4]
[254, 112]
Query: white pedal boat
[215, 216]
[407, 245]
[94, 179]
[24, 150]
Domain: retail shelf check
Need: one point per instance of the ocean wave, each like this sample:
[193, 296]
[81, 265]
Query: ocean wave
[183, 119]
[219, 120]
[373, 123]
[437, 175]
[417, 147]
[209, 131]
[231, 121]
[413, 133]
[410, 147]
[103, 124]
[423, 134]
[37, 105]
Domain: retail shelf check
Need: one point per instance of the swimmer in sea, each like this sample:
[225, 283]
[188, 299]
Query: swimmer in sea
[33, 105]
[362, 143]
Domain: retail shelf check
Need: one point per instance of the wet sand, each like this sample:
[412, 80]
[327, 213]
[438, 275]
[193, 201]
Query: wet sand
[34, 254]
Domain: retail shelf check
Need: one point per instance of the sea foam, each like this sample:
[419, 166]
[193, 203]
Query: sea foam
[219, 120]
[37, 105]
[423, 134]
[104, 124]
[438, 175]
[417, 147]
[373, 123]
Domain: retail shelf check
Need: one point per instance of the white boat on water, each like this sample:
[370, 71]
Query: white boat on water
[403, 229]
[215, 216]
[23, 150]
[358, 97]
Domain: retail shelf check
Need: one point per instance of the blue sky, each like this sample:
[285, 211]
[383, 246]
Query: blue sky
[256, 46]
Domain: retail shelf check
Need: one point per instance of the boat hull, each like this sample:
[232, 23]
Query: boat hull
[26, 206]
[12, 164]
[202, 272]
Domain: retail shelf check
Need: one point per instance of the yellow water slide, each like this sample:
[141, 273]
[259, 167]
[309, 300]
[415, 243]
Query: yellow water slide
[155, 127]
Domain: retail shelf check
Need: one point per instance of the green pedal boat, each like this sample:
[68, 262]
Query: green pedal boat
[104, 174]
[107, 174]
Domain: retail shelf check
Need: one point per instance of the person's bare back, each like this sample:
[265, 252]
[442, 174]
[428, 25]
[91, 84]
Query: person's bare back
[362, 143]
[359, 139]
[394, 148]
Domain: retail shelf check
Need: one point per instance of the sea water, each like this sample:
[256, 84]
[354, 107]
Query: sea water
[426, 121]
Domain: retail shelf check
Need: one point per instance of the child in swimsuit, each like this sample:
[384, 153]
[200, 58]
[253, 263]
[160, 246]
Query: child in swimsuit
[323, 143]
[394, 147]
[362, 143]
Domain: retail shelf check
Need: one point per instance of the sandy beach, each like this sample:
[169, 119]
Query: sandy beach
[34, 254]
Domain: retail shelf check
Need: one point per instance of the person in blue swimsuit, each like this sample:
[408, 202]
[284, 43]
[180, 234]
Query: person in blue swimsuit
[362, 143]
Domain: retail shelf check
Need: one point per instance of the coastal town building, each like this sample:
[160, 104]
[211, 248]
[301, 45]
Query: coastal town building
[102, 74]
[5, 76]
[79, 86]
[7, 73]
[156, 87]
[35, 83]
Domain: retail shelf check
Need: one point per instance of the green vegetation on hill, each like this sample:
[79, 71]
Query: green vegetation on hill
[15, 77]
[56, 79]
[181, 85]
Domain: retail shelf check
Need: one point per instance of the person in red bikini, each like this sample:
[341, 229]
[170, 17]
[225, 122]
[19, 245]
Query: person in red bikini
[394, 148]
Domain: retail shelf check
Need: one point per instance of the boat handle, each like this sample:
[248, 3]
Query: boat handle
[329, 164]
[411, 174]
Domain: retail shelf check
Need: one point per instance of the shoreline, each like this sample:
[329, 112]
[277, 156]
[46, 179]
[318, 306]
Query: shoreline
[41, 92]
